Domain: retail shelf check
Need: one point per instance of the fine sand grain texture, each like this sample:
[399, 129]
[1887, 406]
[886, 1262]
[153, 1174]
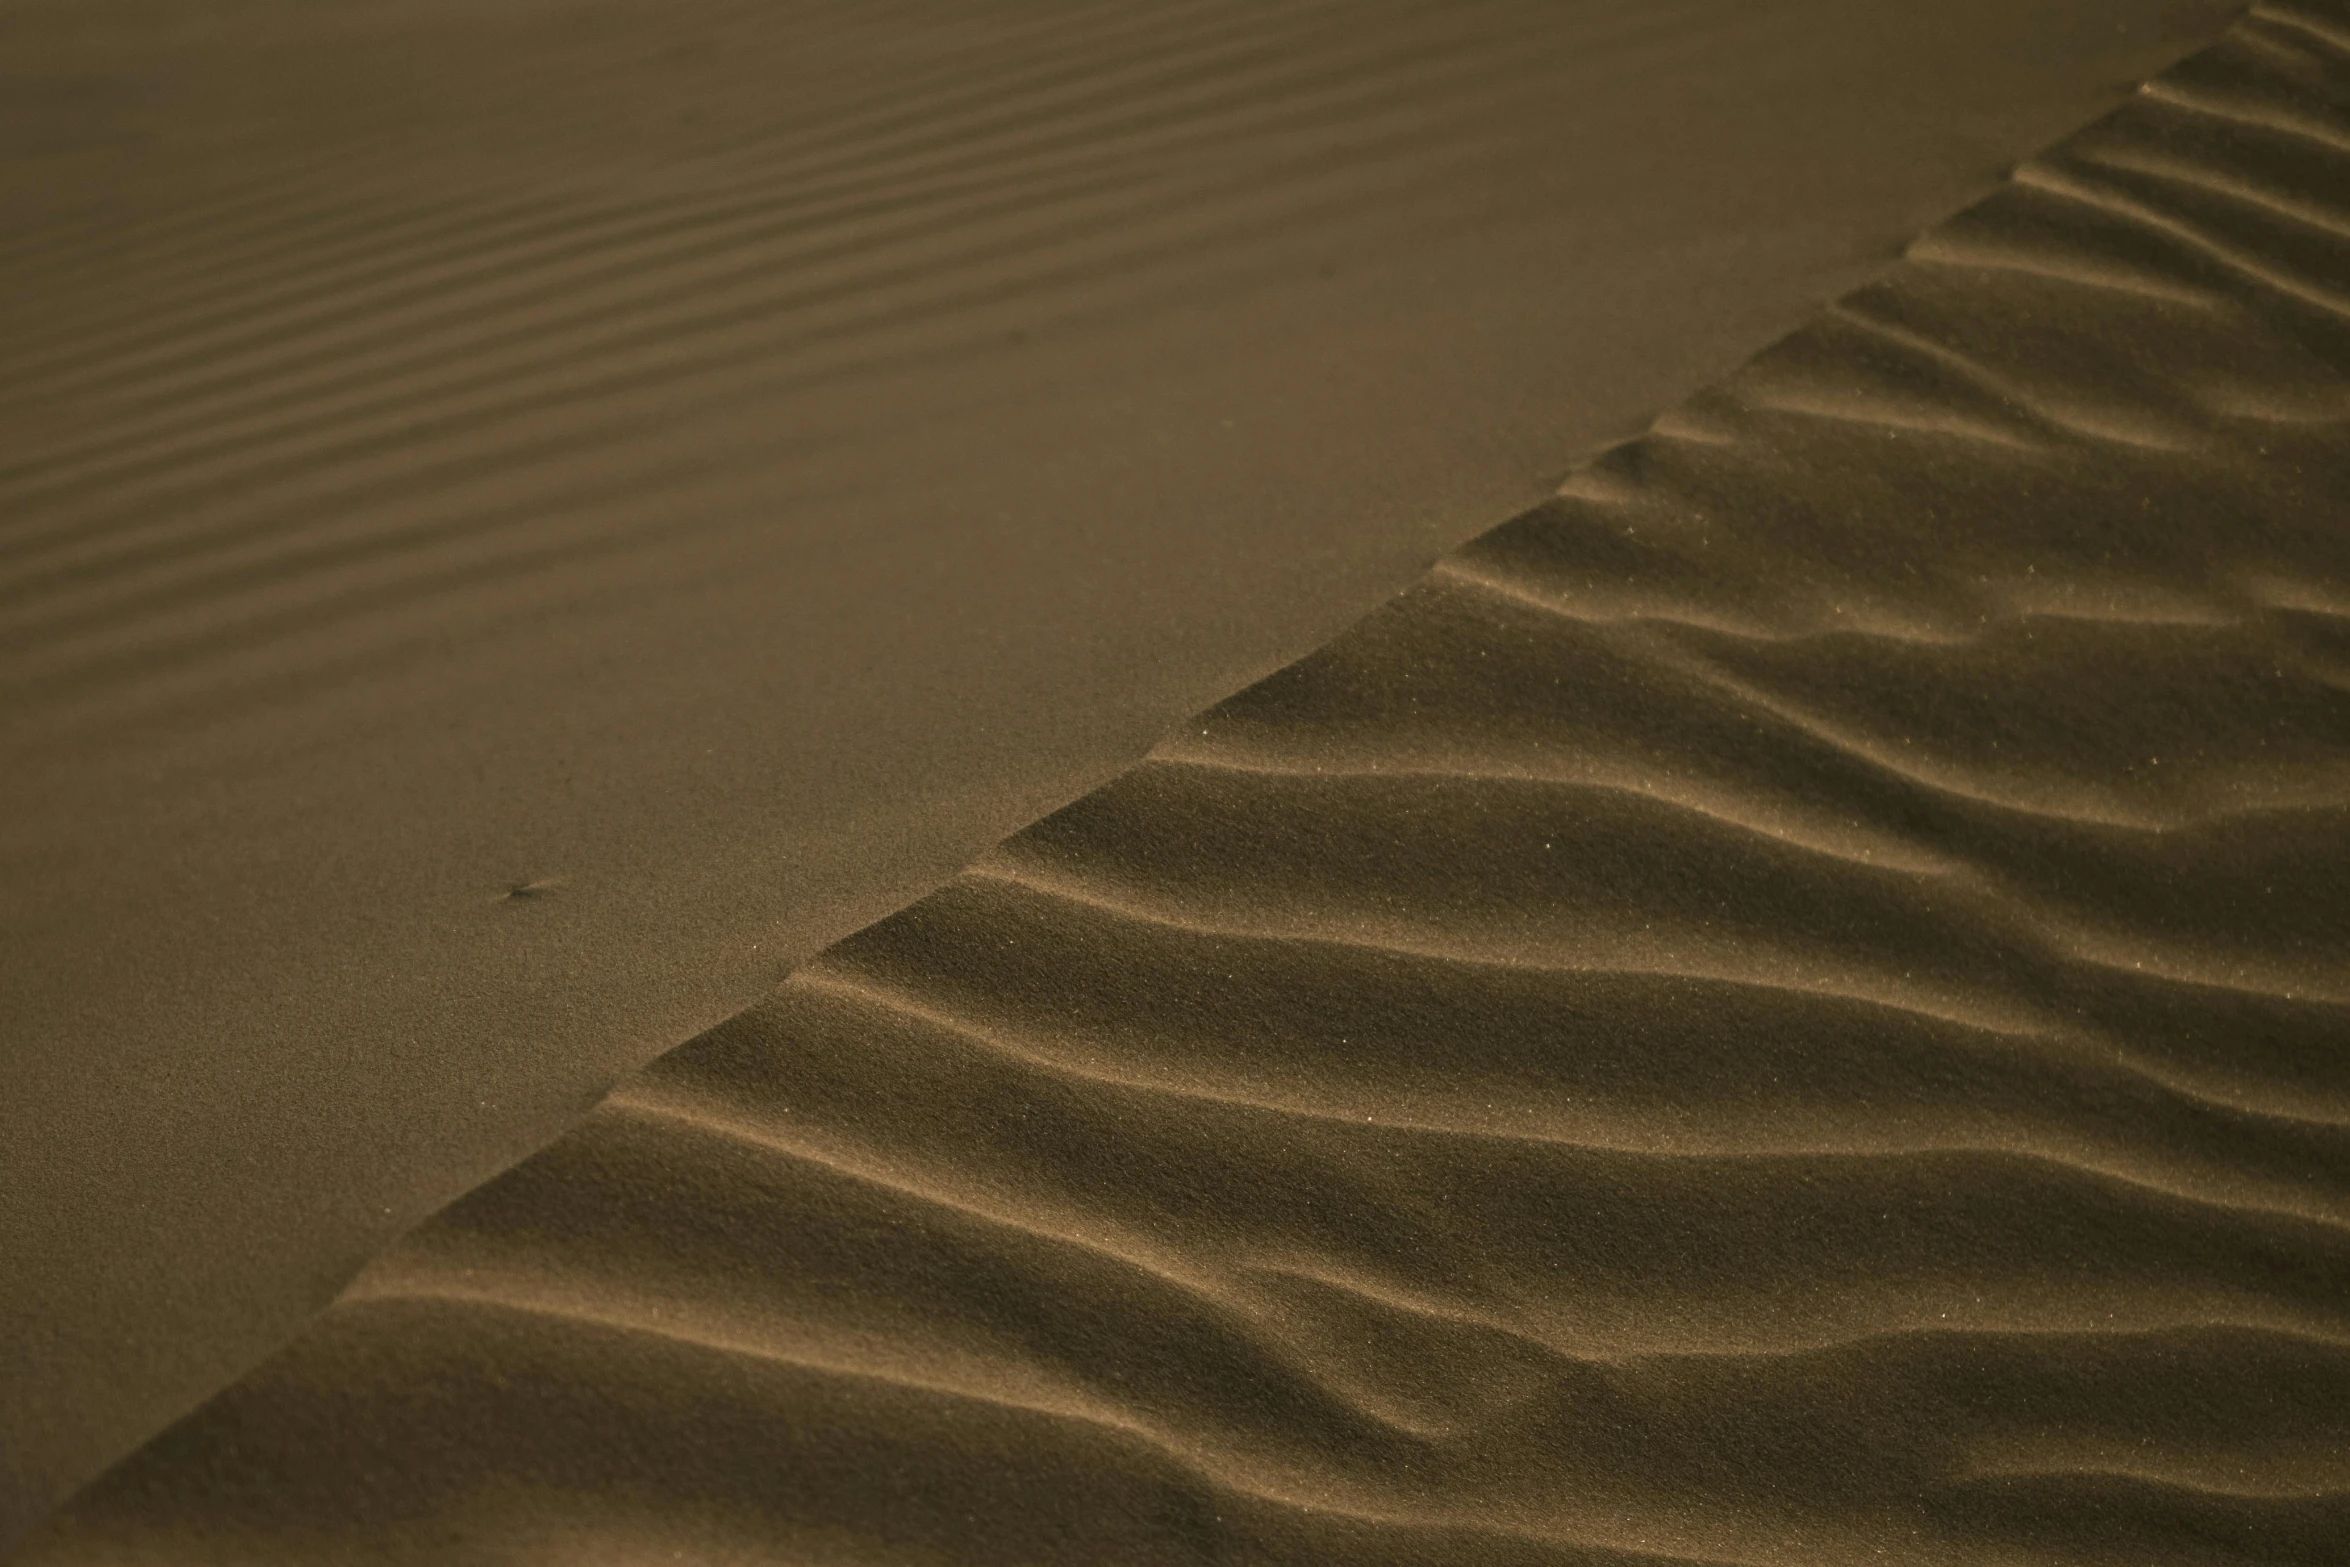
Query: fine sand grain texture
[1786, 1006]
[521, 521]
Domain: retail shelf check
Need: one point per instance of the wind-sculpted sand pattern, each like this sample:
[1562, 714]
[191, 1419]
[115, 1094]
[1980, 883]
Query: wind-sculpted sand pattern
[1787, 1006]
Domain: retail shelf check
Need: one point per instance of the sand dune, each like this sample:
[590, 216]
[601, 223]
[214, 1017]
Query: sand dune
[1787, 1005]
[713, 467]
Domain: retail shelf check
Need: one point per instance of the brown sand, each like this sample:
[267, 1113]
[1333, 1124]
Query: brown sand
[1788, 1005]
[718, 466]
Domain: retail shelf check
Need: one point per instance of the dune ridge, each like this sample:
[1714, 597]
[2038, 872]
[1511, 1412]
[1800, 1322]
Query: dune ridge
[1787, 1005]
[722, 465]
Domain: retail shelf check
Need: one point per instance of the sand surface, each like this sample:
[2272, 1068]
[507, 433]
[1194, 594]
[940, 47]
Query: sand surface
[1787, 1005]
[520, 522]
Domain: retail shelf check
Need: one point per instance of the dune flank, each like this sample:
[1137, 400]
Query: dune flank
[522, 521]
[1787, 1005]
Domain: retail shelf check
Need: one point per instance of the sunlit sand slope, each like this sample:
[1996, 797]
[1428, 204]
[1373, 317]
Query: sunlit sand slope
[1789, 1005]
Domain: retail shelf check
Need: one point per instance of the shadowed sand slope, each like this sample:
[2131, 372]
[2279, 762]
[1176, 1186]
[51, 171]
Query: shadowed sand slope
[522, 521]
[1788, 1005]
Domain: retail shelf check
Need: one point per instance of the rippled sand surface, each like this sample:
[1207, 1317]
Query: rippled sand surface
[523, 521]
[1787, 1005]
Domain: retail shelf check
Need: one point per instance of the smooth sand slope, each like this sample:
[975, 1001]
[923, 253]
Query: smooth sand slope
[716, 467]
[1787, 1006]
